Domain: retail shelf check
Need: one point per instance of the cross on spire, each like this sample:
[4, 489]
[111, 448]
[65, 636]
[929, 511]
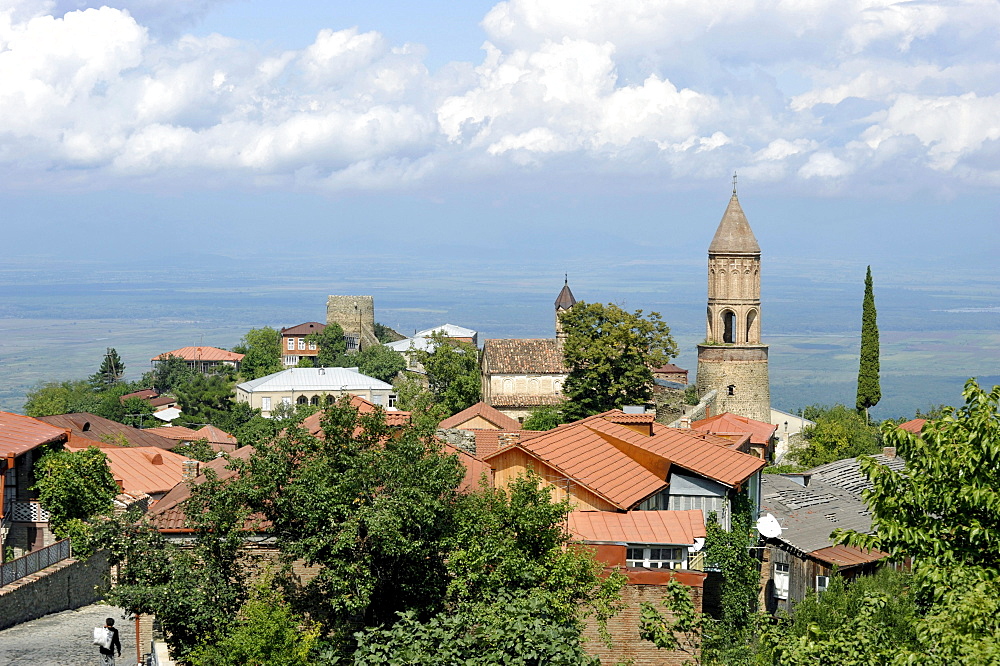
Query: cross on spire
[734, 183]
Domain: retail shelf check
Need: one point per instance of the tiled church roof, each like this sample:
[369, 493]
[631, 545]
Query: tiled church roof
[540, 356]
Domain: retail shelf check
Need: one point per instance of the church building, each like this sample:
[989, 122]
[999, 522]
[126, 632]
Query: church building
[732, 361]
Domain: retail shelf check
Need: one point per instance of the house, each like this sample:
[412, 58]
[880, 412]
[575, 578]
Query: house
[802, 557]
[153, 399]
[521, 375]
[99, 429]
[203, 359]
[647, 539]
[480, 416]
[423, 342]
[218, 439]
[622, 462]
[24, 524]
[296, 345]
[788, 430]
[139, 470]
[312, 386]
[671, 373]
[762, 439]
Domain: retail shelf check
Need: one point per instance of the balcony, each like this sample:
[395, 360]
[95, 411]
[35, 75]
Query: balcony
[28, 512]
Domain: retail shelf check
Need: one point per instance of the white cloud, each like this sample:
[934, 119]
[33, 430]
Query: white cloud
[789, 91]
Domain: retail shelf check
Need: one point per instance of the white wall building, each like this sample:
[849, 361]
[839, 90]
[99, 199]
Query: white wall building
[312, 386]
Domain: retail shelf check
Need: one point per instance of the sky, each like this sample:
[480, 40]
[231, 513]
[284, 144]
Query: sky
[861, 130]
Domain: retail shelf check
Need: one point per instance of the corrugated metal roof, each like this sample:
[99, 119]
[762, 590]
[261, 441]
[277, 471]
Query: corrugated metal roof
[646, 527]
[19, 434]
[727, 422]
[482, 410]
[449, 330]
[846, 473]
[141, 469]
[92, 426]
[201, 354]
[847, 556]
[808, 515]
[315, 379]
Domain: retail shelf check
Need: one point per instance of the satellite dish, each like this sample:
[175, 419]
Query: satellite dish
[768, 526]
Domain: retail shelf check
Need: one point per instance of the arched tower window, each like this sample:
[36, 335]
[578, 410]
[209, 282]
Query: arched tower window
[752, 335]
[728, 327]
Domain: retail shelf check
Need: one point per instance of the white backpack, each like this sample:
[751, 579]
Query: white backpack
[102, 637]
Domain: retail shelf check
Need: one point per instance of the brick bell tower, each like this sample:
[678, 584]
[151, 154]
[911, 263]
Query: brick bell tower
[732, 361]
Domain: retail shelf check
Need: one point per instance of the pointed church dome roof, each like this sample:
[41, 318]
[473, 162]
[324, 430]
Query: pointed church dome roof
[565, 299]
[734, 234]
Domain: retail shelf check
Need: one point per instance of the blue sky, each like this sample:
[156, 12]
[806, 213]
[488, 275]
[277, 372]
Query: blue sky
[862, 130]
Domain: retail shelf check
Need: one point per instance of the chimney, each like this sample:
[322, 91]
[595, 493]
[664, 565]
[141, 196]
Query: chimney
[685, 423]
[121, 485]
[889, 452]
[506, 439]
[189, 470]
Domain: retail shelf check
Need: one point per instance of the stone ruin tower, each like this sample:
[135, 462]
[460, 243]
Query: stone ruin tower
[732, 361]
[356, 315]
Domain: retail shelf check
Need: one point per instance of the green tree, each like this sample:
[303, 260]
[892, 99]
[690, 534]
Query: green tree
[839, 433]
[681, 629]
[412, 395]
[199, 449]
[261, 349]
[61, 398]
[610, 353]
[171, 372]
[544, 418]
[331, 347]
[74, 487]
[380, 362]
[205, 399]
[111, 372]
[869, 392]
[452, 372]
[386, 335]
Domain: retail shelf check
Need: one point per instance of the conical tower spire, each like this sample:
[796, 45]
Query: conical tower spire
[734, 235]
[565, 299]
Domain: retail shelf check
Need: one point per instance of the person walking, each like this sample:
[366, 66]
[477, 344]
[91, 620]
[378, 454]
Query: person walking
[108, 653]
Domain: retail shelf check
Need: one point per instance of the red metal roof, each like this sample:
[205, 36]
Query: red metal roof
[727, 422]
[201, 354]
[168, 514]
[914, 426]
[652, 527]
[484, 411]
[19, 434]
[586, 458]
[847, 556]
[304, 329]
[141, 469]
[180, 433]
[92, 426]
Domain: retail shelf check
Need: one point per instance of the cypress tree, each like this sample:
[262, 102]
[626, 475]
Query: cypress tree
[869, 392]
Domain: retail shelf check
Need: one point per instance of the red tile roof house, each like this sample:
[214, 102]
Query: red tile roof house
[139, 470]
[24, 524]
[219, 440]
[762, 435]
[203, 359]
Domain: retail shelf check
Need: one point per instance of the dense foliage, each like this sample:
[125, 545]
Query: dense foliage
[170, 373]
[839, 433]
[74, 487]
[869, 391]
[331, 347]
[610, 353]
[406, 564]
[452, 373]
[111, 372]
[380, 362]
[261, 349]
[544, 418]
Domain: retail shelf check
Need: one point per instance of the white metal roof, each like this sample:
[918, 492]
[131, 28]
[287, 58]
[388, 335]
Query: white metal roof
[315, 379]
[421, 340]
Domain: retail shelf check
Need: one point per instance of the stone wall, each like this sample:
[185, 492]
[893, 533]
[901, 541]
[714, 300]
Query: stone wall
[69, 584]
[669, 403]
[744, 368]
[349, 311]
[460, 439]
[626, 645]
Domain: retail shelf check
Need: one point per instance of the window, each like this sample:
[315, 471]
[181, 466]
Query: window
[822, 582]
[780, 580]
[291, 343]
[352, 342]
[302, 343]
[302, 400]
[312, 346]
[265, 404]
[314, 401]
[376, 399]
[731, 389]
[392, 400]
[656, 558]
[291, 360]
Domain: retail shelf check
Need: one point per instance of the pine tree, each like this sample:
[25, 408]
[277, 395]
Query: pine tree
[111, 371]
[869, 392]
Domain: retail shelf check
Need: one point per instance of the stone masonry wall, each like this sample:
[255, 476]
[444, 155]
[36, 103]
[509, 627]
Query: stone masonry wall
[341, 310]
[744, 368]
[624, 629]
[69, 584]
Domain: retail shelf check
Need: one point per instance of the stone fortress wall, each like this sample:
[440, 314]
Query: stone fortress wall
[350, 312]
